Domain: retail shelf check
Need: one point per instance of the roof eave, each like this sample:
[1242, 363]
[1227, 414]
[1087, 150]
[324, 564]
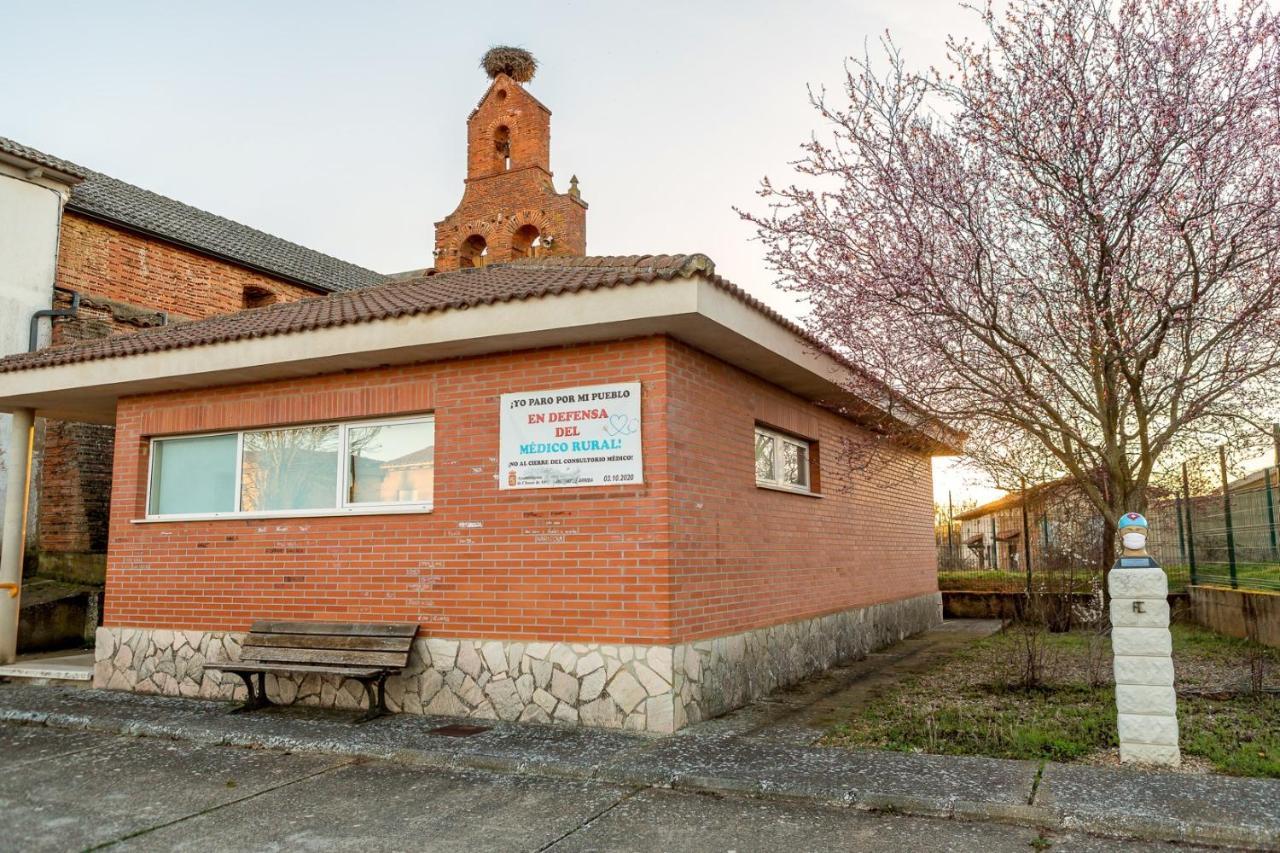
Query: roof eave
[691, 308]
[36, 169]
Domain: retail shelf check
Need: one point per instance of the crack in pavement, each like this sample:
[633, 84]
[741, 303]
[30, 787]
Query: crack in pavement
[590, 820]
[149, 829]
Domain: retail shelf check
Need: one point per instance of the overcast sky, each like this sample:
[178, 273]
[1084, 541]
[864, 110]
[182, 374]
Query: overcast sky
[341, 126]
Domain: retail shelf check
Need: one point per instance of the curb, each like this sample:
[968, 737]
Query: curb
[1127, 826]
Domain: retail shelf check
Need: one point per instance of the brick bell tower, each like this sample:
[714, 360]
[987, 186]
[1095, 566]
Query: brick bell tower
[510, 208]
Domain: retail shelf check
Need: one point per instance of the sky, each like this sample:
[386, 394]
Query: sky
[341, 126]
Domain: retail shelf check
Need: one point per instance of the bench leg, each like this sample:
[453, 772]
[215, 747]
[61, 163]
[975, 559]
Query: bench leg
[257, 698]
[377, 698]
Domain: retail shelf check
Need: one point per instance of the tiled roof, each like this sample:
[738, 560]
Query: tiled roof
[510, 281]
[1013, 500]
[16, 149]
[507, 282]
[103, 197]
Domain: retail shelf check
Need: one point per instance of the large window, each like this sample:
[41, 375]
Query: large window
[312, 470]
[782, 461]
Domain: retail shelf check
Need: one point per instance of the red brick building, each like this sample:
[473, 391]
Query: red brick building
[126, 259]
[610, 491]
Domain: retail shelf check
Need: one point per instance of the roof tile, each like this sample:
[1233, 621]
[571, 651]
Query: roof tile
[103, 197]
[514, 281]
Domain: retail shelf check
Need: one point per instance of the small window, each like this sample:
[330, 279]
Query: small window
[193, 475]
[782, 461]
[393, 463]
[285, 469]
[257, 297]
[502, 147]
[312, 470]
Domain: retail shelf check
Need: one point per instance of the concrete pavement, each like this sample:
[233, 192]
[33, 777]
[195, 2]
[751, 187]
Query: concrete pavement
[81, 790]
[1120, 802]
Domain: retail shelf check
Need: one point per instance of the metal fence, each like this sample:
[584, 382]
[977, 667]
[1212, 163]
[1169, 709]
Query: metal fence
[1222, 528]
[1214, 521]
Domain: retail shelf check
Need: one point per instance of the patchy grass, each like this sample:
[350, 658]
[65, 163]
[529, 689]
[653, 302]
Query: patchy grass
[1249, 575]
[969, 704]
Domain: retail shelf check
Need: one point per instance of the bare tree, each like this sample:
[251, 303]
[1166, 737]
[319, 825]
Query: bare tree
[1066, 243]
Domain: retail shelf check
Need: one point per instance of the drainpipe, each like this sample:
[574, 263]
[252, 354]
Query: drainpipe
[13, 533]
[34, 339]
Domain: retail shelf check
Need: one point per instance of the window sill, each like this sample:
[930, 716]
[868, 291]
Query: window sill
[284, 516]
[804, 493]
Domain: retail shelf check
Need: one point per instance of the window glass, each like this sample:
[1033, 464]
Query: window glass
[764, 456]
[781, 460]
[391, 463]
[795, 464]
[193, 475]
[290, 469]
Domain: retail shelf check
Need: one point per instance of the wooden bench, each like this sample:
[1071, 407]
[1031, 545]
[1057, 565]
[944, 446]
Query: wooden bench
[369, 652]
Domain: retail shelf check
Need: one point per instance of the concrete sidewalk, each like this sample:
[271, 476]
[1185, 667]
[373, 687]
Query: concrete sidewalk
[1149, 805]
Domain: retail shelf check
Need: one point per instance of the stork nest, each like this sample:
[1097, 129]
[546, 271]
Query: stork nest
[515, 62]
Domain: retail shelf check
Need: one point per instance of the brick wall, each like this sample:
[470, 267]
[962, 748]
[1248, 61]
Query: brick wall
[126, 281]
[506, 203]
[697, 550]
[745, 557]
[97, 258]
[542, 564]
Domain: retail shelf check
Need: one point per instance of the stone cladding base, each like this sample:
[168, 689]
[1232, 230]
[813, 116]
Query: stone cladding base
[643, 688]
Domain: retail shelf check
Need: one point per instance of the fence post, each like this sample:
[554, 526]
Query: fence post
[1271, 514]
[1226, 515]
[951, 525]
[1026, 534]
[1182, 538]
[995, 547]
[1191, 537]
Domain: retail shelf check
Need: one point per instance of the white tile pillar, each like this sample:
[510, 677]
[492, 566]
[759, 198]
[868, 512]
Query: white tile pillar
[1147, 708]
[12, 533]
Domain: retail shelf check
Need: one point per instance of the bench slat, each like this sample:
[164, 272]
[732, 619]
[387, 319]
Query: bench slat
[330, 641]
[352, 671]
[325, 656]
[347, 629]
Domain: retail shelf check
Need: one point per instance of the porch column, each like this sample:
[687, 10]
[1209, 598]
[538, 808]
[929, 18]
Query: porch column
[17, 459]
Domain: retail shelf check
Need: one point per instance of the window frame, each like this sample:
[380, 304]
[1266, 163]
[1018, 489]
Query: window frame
[780, 439]
[342, 506]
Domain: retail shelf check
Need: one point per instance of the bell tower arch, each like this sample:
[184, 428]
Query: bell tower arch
[510, 208]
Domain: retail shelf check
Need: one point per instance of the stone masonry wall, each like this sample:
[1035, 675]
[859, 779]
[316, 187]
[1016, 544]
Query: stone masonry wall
[652, 688]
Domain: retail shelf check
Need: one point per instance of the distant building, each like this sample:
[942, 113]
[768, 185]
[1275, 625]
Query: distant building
[1060, 520]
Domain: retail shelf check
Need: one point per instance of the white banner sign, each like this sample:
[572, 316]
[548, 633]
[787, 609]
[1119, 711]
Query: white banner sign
[571, 437]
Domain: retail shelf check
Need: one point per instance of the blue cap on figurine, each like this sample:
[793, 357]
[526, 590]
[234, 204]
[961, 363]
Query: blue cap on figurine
[1132, 519]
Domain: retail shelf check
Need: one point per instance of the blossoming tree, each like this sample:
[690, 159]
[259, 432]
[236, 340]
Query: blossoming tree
[1067, 243]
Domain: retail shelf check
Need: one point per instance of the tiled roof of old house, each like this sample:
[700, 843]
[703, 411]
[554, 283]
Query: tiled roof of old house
[22, 152]
[102, 197]
[1013, 500]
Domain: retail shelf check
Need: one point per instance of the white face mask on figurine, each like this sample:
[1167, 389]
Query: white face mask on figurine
[1133, 534]
[1134, 541]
